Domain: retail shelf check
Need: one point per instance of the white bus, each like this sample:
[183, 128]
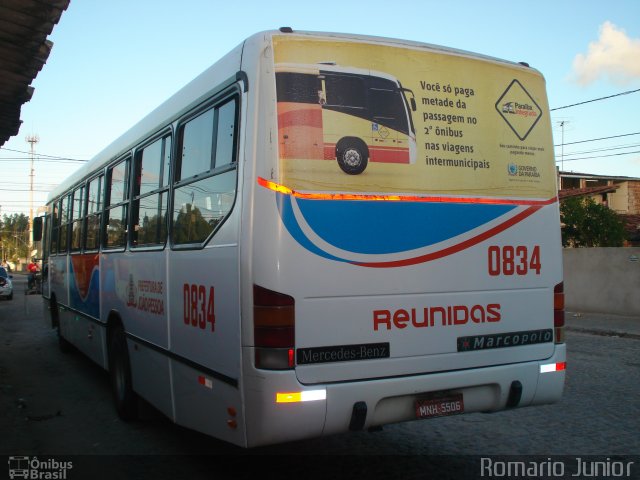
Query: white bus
[260, 297]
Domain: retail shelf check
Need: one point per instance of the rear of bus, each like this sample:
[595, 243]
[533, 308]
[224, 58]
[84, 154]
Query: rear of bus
[411, 290]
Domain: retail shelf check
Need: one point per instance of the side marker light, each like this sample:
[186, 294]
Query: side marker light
[553, 367]
[305, 396]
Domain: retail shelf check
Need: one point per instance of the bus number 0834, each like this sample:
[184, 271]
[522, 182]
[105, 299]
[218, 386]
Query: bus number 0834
[510, 260]
[198, 306]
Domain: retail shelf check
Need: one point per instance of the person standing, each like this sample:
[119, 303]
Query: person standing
[33, 269]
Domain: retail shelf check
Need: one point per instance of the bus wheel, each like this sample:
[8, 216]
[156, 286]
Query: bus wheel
[124, 398]
[352, 157]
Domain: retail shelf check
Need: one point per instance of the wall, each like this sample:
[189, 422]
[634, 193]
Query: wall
[619, 200]
[634, 198]
[604, 280]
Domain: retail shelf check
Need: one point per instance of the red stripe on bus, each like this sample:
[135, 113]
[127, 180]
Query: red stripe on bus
[389, 154]
[329, 151]
[303, 117]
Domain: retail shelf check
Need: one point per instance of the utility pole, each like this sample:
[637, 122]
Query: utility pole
[561, 123]
[562, 152]
[32, 140]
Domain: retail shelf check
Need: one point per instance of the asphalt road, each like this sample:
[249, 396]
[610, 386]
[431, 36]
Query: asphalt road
[57, 407]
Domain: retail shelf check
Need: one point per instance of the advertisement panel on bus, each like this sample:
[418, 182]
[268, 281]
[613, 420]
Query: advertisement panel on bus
[432, 123]
[470, 158]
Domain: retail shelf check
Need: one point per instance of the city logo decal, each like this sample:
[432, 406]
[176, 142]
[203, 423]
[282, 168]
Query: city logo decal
[132, 293]
[518, 109]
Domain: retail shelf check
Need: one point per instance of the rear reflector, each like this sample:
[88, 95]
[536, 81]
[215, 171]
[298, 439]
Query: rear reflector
[273, 329]
[558, 298]
[553, 367]
[558, 312]
[205, 382]
[305, 396]
[558, 318]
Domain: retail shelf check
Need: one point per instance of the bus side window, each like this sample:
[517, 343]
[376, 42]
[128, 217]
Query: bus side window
[226, 134]
[196, 152]
[346, 91]
[207, 180]
[94, 213]
[46, 235]
[299, 87]
[200, 207]
[388, 108]
[116, 228]
[149, 207]
[64, 219]
[115, 235]
[55, 227]
[77, 219]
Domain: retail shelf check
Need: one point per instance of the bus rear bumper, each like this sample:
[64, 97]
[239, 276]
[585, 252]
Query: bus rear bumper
[487, 389]
[340, 407]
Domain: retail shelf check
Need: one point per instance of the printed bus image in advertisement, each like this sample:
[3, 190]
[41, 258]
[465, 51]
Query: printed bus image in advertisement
[349, 115]
[321, 233]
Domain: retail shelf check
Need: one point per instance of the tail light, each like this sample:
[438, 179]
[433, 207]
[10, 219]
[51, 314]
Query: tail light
[273, 329]
[558, 312]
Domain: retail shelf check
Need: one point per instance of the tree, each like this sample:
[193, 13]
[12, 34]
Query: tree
[14, 236]
[589, 224]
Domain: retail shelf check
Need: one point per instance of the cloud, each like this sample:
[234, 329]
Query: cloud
[614, 56]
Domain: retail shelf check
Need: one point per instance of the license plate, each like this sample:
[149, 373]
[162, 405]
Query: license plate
[440, 406]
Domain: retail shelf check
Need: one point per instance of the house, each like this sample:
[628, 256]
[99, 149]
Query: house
[620, 194]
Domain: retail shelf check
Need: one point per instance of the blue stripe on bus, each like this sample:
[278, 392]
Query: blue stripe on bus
[375, 228]
[288, 217]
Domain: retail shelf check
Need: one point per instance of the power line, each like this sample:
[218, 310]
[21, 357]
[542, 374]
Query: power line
[607, 149]
[49, 160]
[36, 184]
[596, 139]
[21, 190]
[44, 155]
[599, 156]
[596, 99]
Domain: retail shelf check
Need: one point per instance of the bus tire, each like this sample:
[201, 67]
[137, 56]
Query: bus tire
[124, 398]
[352, 155]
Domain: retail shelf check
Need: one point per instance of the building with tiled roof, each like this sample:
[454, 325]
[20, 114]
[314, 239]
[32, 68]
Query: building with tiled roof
[620, 194]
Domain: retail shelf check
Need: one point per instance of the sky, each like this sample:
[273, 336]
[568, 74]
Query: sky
[113, 62]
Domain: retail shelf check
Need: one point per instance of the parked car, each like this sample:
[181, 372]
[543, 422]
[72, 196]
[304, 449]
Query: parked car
[6, 286]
